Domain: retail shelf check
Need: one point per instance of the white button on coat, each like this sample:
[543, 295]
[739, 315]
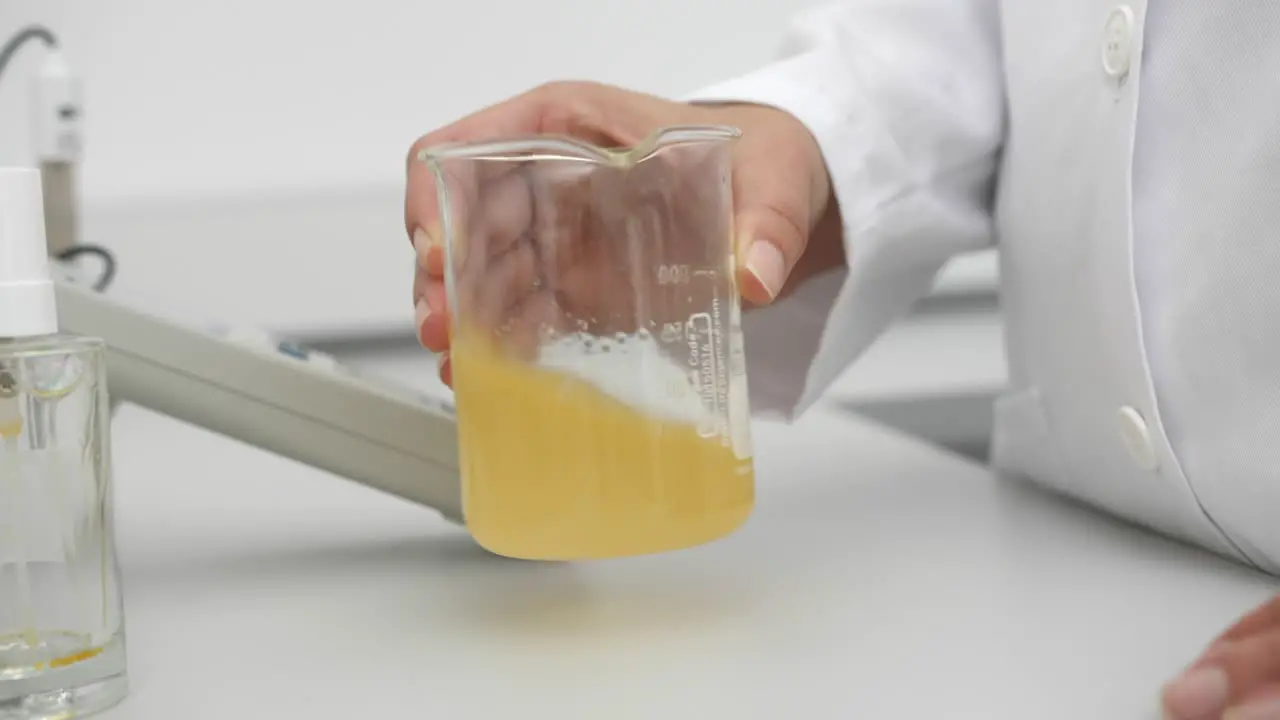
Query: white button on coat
[1137, 439]
[1117, 42]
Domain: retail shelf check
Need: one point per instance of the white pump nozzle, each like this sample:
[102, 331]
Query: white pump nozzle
[27, 297]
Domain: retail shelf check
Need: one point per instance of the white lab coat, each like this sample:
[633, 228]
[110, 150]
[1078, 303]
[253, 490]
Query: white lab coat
[1125, 157]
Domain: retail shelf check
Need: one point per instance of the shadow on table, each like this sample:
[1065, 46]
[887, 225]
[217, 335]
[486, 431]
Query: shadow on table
[442, 553]
[476, 592]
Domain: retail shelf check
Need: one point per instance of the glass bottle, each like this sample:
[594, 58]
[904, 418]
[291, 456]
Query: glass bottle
[62, 648]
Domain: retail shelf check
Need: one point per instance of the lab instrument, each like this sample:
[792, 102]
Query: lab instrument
[275, 395]
[596, 345]
[243, 383]
[56, 117]
[62, 640]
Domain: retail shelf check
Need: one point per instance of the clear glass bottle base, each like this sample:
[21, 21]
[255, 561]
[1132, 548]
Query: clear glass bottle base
[67, 703]
[77, 685]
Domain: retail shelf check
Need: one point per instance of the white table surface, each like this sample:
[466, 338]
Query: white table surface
[879, 578]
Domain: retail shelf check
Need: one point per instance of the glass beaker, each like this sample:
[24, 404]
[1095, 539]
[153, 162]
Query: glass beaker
[62, 647]
[596, 342]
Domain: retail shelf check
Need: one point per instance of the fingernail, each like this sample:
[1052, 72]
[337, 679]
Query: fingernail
[766, 263]
[1261, 710]
[1198, 694]
[443, 368]
[421, 243]
[420, 314]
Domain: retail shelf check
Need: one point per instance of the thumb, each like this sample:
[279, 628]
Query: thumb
[768, 247]
[1240, 679]
[771, 230]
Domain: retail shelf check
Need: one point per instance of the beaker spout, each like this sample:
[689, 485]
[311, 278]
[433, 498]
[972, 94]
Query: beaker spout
[557, 147]
[667, 137]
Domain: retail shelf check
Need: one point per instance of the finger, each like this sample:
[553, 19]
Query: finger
[603, 115]
[1252, 664]
[431, 317]
[771, 240]
[433, 333]
[1264, 704]
[1244, 668]
[770, 219]
[444, 367]
[463, 184]
[513, 118]
[1213, 654]
[575, 109]
[530, 224]
[500, 217]
[421, 279]
[775, 209]
[1262, 618]
[500, 213]
[430, 256]
[566, 204]
[493, 271]
[493, 297]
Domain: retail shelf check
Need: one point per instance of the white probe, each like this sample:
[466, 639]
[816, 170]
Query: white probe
[56, 128]
[56, 121]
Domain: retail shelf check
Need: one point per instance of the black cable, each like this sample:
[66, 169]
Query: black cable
[104, 256]
[33, 32]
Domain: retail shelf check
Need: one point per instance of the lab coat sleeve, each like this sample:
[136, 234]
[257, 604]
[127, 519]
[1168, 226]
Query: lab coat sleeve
[906, 100]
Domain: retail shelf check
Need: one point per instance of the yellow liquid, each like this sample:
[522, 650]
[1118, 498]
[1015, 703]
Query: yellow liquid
[554, 469]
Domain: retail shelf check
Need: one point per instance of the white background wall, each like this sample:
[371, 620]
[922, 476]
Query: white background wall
[244, 158]
[235, 96]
